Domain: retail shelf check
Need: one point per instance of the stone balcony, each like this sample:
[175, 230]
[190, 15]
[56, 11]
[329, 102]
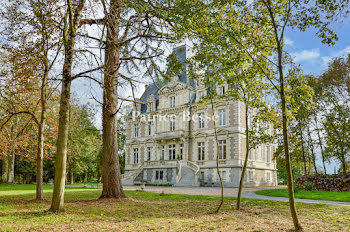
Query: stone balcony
[169, 135]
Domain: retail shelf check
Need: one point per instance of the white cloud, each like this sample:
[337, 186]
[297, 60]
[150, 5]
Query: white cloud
[327, 59]
[288, 41]
[306, 55]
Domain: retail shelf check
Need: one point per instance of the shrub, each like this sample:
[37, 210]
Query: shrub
[309, 186]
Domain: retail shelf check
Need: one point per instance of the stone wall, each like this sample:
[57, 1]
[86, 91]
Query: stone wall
[336, 183]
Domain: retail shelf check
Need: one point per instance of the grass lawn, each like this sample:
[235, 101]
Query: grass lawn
[144, 211]
[303, 194]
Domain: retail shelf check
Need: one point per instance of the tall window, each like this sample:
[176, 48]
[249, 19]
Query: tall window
[181, 151]
[151, 107]
[222, 149]
[172, 151]
[268, 177]
[222, 117]
[149, 153]
[150, 128]
[251, 175]
[136, 130]
[172, 101]
[267, 153]
[136, 156]
[172, 123]
[221, 90]
[162, 155]
[200, 151]
[200, 120]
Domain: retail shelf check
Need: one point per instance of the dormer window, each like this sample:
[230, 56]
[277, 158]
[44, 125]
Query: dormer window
[221, 90]
[172, 101]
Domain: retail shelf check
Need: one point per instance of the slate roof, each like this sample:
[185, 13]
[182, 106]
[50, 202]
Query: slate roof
[152, 88]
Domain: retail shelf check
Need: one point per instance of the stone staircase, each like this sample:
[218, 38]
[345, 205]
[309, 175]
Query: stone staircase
[188, 173]
[128, 178]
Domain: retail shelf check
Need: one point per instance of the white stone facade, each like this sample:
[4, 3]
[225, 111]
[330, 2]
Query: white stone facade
[182, 152]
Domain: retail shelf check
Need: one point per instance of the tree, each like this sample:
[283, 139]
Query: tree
[39, 39]
[71, 24]
[135, 31]
[242, 18]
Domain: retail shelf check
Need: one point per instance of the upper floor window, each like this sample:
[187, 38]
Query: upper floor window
[200, 151]
[150, 128]
[222, 117]
[221, 90]
[172, 123]
[200, 120]
[150, 105]
[172, 101]
[136, 130]
[222, 149]
[149, 153]
[136, 156]
[172, 151]
[181, 151]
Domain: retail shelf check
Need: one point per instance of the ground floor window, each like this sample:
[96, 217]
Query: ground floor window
[181, 151]
[149, 153]
[268, 177]
[251, 175]
[200, 151]
[222, 149]
[162, 155]
[159, 175]
[136, 156]
[172, 151]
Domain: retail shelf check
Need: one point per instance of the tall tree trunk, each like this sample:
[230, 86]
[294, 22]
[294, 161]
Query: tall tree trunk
[321, 146]
[71, 176]
[241, 182]
[62, 139]
[5, 169]
[217, 156]
[71, 24]
[11, 168]
[312, 149]
[292, 207]
[41, 128]
[111, 176]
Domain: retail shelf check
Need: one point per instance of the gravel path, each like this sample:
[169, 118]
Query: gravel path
[228, 192]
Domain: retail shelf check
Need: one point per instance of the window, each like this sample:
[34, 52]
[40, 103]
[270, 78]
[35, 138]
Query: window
[201, 94]
[150, 128]
[222, 149]
[136, 130]
[136, 156]
[181, 151]
[222, 117]
[200, 120]
[223, 176]
[150, 107]
[201, 151]
[221, 90]
[162, 155]
[267, 153]
[172, 102]
[268, 177]
[172, 151]
[250, 154]
[172, 123]
[251, 175]
[149, 153]
[159, 175]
